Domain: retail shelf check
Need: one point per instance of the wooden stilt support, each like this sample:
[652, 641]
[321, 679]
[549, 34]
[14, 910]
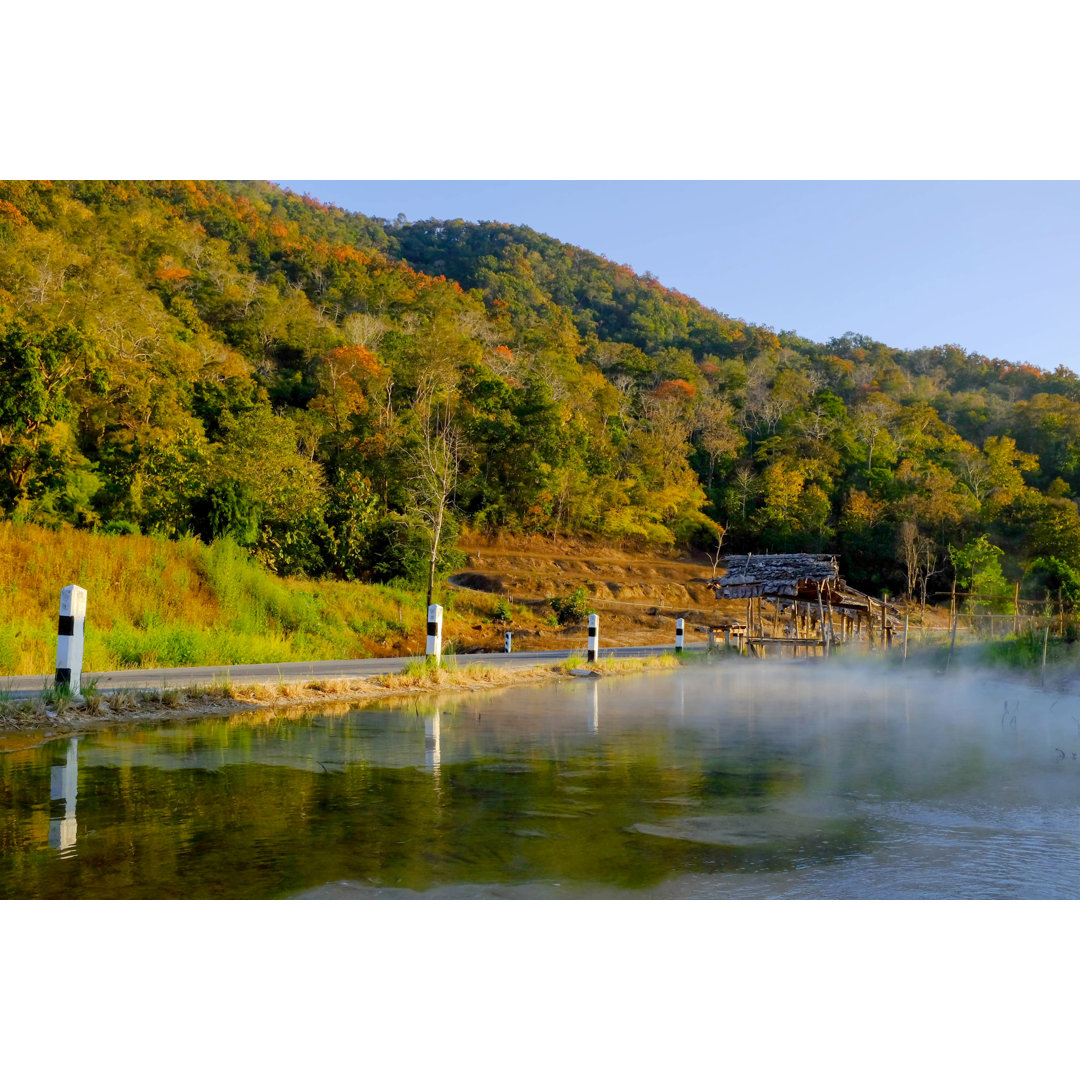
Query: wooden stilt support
[952, 644]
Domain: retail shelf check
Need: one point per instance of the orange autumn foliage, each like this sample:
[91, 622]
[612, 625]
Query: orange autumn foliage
[167, 270]
[675, 390]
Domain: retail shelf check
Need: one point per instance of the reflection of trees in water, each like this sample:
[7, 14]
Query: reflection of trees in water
[223, 820]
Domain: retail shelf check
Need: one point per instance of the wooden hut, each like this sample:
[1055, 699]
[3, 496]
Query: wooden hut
[812, 607]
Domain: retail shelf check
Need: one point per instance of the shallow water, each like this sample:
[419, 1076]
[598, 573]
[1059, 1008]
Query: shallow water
[738, 780]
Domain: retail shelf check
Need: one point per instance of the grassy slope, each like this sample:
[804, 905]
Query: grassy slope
[169, 603]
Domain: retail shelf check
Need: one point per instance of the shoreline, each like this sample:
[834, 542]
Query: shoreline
[29, 722]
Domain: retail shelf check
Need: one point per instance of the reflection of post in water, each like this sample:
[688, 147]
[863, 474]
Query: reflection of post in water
[750, 709]
[64, 784]
[432, 751]
[594, 720]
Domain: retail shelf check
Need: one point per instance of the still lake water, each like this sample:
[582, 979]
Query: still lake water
[735, 780]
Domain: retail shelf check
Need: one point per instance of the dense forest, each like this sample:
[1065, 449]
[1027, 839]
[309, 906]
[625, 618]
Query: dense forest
[339, 394]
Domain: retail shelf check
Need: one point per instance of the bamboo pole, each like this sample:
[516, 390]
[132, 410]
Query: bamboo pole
[821, 624]
[1046, 637]
[905, 635]
[952, 644]
[884, 628]
[1016, 608]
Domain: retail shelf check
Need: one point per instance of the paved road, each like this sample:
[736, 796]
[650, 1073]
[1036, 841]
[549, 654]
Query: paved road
[245, 674]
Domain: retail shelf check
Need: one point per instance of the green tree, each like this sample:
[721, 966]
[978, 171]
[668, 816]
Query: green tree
[36, 369]
[978, 571]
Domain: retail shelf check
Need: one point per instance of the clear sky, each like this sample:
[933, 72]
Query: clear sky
[991, 266]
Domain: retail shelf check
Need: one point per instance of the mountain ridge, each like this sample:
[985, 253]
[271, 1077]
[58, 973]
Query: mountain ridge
[206, 358]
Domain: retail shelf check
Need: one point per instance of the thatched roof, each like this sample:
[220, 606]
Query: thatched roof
[789, 578]
[792, 576]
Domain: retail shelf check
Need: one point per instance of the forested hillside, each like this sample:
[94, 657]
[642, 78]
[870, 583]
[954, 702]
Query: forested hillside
[336, 392]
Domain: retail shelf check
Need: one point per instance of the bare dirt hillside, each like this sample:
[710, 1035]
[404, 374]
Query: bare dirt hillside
[638, 595]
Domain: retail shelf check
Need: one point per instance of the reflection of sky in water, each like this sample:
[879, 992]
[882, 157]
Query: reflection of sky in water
[734, 780]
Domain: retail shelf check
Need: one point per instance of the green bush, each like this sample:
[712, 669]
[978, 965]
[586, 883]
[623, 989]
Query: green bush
[398, 551]
[571, 608]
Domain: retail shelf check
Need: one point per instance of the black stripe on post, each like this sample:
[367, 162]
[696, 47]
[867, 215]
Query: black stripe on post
[66, 627]
[432, 629]
[63, 676]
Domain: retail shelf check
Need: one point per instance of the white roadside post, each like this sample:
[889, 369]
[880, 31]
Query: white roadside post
[507, 643]
[594, 630]
[679, 625]
[69, 638]
[434, 633]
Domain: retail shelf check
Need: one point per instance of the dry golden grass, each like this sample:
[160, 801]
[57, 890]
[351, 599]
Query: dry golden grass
[290, 699]
[128, 577]
[162, 603]
[335, 686]
[424, 676]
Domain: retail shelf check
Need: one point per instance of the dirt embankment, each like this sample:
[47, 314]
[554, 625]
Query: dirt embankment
[638, 595]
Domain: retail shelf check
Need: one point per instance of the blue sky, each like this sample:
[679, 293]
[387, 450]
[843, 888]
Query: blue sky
[992, 266]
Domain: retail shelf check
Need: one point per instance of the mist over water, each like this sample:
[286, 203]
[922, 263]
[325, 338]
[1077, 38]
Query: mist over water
[737, 779]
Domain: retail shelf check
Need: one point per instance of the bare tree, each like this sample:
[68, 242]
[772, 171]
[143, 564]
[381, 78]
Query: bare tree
[745, 482]
[928, 555]
[434, 462]
[872, 423]
[363, 329]
[714, 422]
[907, 550]
[816, 425]
[715, 558]
[975, 472]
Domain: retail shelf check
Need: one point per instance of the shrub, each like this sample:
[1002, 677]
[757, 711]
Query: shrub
[571, 608]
